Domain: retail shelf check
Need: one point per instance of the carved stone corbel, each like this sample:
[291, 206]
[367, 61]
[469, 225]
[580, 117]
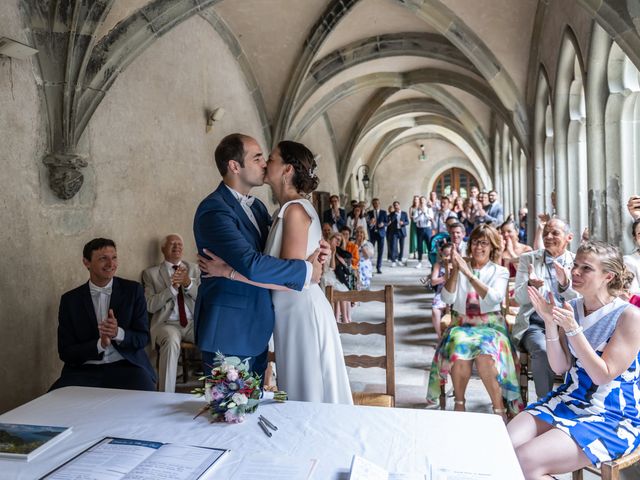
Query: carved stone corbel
[65, 177]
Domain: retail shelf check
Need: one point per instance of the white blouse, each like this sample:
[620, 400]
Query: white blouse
[495, 277]
[632, 261]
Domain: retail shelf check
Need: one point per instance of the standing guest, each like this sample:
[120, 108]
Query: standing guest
[442, 214]
[365, 265]
[545, 269]
[377, 223]
[354, 202]
[327, 230]
[473, 193]
[349, 246]
[357, 219]
[397, 227]
[494, 213]
[171, 289]
[478, 332]
[453, 196]
[512, 248]
[458, 206]
[413, 234]
[480, 209]
[389, 251]
[103, 327]
[456, 236]
[335, 216]
[593, 417]
[439, 274]
[465, 216]
[422, 218]
[522, 224]
[433, 200]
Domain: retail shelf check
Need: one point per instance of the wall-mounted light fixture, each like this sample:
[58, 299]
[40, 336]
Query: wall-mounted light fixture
[365, 176]
[11, 48]
[422, 157]
[213, 117]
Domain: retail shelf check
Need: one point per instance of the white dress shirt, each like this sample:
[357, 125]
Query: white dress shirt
[245, 202]
[101, 297]
[175, 314]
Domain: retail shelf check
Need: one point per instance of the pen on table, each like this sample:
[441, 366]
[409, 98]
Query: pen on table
[264, 428]
[268, 423]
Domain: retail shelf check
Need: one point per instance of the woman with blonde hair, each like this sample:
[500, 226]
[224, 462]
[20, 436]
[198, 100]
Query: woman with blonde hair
[595, 339]
[478, 332]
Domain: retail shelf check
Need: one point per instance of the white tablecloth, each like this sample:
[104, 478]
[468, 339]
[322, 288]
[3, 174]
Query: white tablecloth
[397, 439]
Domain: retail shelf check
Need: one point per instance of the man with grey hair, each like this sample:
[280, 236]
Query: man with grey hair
[549, 270]
[171, 289]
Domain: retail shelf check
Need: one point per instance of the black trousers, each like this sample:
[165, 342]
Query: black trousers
[122, 374]
[378, 240]
[423, 240]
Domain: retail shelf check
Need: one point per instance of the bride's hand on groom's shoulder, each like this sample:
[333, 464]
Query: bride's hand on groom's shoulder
[213, 266]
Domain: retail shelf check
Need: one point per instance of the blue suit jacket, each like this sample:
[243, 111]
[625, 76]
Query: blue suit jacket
[230, 316]
[78, 327]
[377, 230]
[393, 224]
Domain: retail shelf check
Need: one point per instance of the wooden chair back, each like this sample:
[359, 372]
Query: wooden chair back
[386, 361]
[611, 470]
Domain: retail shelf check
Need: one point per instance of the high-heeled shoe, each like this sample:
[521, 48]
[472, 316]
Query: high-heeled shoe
[502, 412]
[459, 403]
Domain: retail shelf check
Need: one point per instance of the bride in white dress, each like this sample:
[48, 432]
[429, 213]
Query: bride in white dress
[309, 358]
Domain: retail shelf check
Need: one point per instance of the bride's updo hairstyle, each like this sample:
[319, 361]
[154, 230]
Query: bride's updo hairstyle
[611, 262]
[304, 179]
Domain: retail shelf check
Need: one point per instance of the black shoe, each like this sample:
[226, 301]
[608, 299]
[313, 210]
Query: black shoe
[378, 271]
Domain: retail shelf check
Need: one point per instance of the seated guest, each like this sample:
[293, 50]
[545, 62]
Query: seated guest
[439, 274]
[593, 417]
[350, 247]
[545, 269]
[103, 327]
[171, 289]
[512, 248]
[335, 216]
[336, 273]
[632, 261]
[478, 332]
[327, 230]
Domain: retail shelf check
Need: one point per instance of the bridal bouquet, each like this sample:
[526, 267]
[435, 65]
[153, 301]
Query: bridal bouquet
[231, 390]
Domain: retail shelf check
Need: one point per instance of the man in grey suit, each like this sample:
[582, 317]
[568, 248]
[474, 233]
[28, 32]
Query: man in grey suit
[171, 289]
[548, 270]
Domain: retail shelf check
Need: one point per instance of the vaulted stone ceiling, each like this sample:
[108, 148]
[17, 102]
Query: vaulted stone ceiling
[375, 71]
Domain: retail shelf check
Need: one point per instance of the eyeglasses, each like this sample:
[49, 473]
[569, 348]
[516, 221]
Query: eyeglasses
[480, 243]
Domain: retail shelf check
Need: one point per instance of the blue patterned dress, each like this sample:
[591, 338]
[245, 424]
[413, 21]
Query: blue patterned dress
[604, 420]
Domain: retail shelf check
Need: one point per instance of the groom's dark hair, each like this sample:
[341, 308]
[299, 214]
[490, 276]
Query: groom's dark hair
[230, 147]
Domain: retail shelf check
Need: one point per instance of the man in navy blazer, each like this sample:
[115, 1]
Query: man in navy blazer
[103, 327]
[335, 216]
[231, 317]
[398, 221]
[377, 222]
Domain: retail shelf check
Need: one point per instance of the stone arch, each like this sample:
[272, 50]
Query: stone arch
[540, 135]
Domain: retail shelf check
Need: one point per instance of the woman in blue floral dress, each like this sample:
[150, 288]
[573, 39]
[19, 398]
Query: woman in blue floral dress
[594, 416]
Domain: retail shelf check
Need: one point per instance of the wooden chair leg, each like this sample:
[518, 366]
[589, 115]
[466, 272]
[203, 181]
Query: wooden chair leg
[577, 475]
[609, 471]
[443, 397]
[185, 365]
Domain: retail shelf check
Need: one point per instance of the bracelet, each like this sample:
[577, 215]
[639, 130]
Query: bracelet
[575, 332]
[232, 274]
[553, 339]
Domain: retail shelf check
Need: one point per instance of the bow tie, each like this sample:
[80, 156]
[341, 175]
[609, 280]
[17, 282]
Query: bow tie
[247, 200]
[548, 259]
[102, 290]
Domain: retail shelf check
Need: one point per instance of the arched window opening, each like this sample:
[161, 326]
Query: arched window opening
[549, 160]
[456, 179]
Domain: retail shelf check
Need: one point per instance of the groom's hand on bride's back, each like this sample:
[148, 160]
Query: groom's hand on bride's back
[314, 260]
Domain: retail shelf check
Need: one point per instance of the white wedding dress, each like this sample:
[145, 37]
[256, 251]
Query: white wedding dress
[309, 360]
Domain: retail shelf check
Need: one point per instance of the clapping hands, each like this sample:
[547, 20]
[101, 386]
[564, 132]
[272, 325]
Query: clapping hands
[534, 280]
[108, 329]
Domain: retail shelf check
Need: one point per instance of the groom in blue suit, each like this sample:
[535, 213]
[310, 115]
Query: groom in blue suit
[231, 317]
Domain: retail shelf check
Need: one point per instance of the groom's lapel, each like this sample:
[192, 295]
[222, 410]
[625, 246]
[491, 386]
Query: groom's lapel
[235, 205]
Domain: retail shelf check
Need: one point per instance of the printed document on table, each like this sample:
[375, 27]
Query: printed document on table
[275, 468]
[128, 459]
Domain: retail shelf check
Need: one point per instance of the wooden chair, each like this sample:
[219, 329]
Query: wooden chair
[386, 361]
[611, 470]
[189, 354]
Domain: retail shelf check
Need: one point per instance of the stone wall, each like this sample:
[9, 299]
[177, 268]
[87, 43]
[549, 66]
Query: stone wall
[150, 164]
